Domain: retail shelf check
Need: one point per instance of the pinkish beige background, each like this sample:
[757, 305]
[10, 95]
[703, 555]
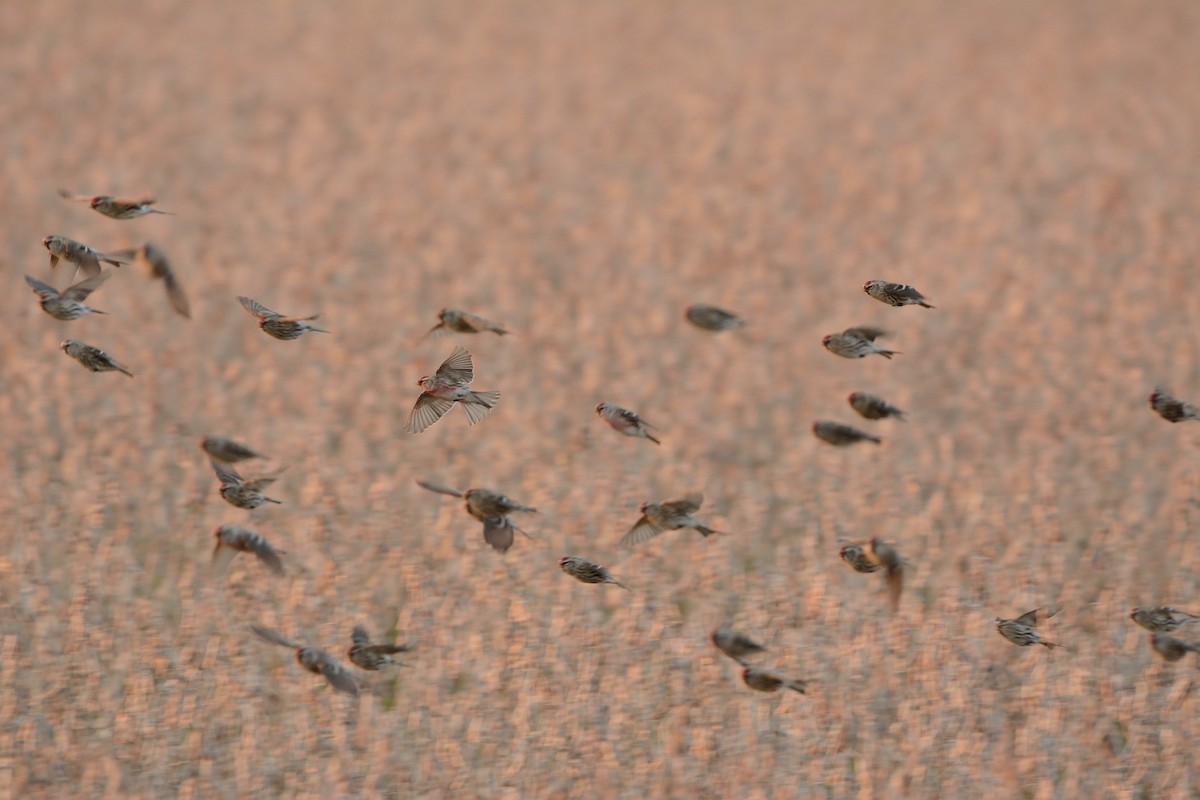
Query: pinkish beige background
[582, 171]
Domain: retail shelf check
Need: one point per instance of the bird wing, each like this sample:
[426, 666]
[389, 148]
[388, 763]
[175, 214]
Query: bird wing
[478, 323]
[458, 366]
[498, 532]
[1029, 618]
[688, 505]
[269, 556]
[256, 308]
[81, 290]
[272, 636]
[359, 635]
[337, 675]
[864, 332]
[176, 296]
[437, 487]
[428, 410]
[643, 531]
[89, 262]
[78, 198]
[43, 290]
[221, 557]
[227, 475]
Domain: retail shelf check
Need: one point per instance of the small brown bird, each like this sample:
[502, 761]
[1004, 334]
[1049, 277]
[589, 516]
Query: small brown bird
[625, 421]
[840, 435]
[735, 645]
[315, 661]
[884, 556]
[232, 540]
[227, 450]
[156, 262]
[365, 655]
[1161, 618]
[83, 257]
[871, 406]
[93, 358]
[239, 492]
[711, 318]
[1170, 648]
[669, 516]
[855, 555]
[115, 207]
[765, 680]
[857, 343]
[1022, 630]
[453, 319]
[450, 385]
[67, 305]
[1169, 408]
[489, 507]
[588, 571]
[277, 325]
[895, 294]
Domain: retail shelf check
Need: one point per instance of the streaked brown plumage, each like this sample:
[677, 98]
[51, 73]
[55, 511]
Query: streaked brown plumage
[765, 680]
[711, 318]
[1170, 648]
[672, 515]
[447, 386]
[459, 321]
[735, 645]
[365, 655]
[116, 207]
[1162, 618]
[857, 342]
[625, 421]
[588, 571]
[489, 507]
[231, 540]
[277, 325]
[93, 358]
[239, 492]
[1022, 630]
[1170, 408]
[312, 659]
[156, 262]
[895, 294]
[67, 305]
[870, 406]
[840, 435]
[83, 257]
[855, 555]
[227, 450]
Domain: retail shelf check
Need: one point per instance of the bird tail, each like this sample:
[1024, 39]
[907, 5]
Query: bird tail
[653, 438]
[923, 304]
[889, 353]
[705, 531]
[478, 405]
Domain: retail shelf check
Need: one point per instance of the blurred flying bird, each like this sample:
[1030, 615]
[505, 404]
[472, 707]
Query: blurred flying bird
[625, 421]
[895, 294]
[765, 680]
[93, 358]
[871, 406]
[840, 435]
[79, 254]
[232, 540]
[365, 655]
[227, 450]
[588, 571]
[1022, 630]
[453, 319]
[160, 269]
[735, 645]
[449, 385]
[711, 318]
[669, 516]
[239, 492]
[1169, 408]
[857, 343]
[115, 207]
[315, 661]
[1170, 648]
[1161, 618]
[68, 304]
[277, 325]
[489, 507]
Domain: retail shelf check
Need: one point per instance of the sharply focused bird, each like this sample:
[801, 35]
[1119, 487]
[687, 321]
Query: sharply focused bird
[711, 318]
[315, 661]
[1162, 618]
[453, 319]
[625, 421]
[277, 325]
[93, 358]
[115, 207]
[227, 450]
[239, 492]
[766, 680]
[895, 294]
[588, 571]
[489, 507]
[857, 343]
[736, 645]
[1171, 409]
[68, 304]
[156, 262]
[83, 257]
[840, 435]
[232, 540]
[365, 655]
[669, 516]
[447, 386]
[871, 406]
[1022, 630]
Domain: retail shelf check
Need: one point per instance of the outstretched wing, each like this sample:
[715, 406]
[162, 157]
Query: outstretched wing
[337, 675]
[272, 636]
[43, 290]
[643, 531]
[81, 290]
[499, 533]
[428, 410]
[226, 474]
[256, 308]
[437, 487]
[458, 366]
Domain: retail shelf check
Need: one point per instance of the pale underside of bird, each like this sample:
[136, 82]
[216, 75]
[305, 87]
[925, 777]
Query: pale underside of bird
[277, 325]
[765, 680]
[373, 656]
[622, 420]
[489, 507]
[857, 342]
[1170, 408]
[459, 321]
[1162, 618]
[116, 207]
[232, 540]
[712, 318]
[839, 435]
[588, 571]
[450, 385]
[672, 515]
[870, 406]
[1022, 631]
[68, 304]
[895, 294]
[155, 261]
[227, 450]
[240, 492]
[83, 257]
[874, 555]
[93, 358]
[736, 645]
[312, 659]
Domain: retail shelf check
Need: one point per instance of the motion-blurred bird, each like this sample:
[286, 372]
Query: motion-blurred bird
[115, 207]
[871, 406]
[1169, 408]
[711, 318]
[1022, 630]
[459, 321]
[765, 680]
[93, 358]
[277, 325]
[160, 269]
[227, 450]
[895, 294]
[588, 571]
[884, 556]
[736, 645]
[239, 492]
[489, 507]
[83, 257]
[625, 421]
[855, 555]
[365, 655]
[1161, 618]
[315, 661]
[669, 516]
[232, 540]
[450, 385]
[840, 435]
[1170, 648]
[857, 343]
[68, 304]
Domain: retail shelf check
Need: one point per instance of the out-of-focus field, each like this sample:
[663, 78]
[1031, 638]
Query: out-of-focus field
[581, 172]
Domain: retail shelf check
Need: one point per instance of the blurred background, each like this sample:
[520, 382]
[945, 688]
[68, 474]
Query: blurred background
[581, 173]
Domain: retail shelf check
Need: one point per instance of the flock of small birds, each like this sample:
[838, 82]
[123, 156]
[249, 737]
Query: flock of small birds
[451, 383]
